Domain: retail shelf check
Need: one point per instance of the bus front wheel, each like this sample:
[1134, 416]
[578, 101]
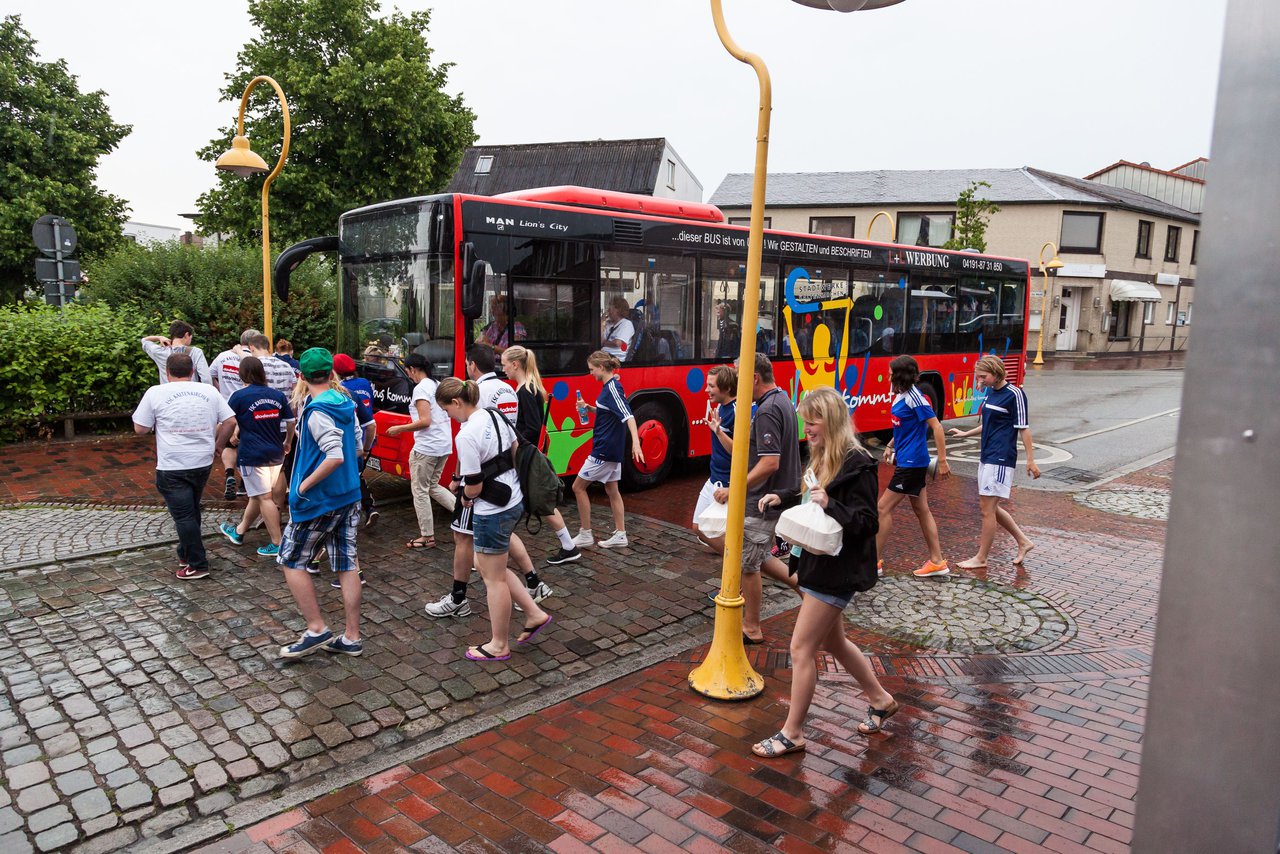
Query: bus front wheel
[657, 434]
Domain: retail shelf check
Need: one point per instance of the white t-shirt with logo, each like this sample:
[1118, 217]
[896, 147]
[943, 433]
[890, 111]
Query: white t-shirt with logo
[436, 440]
[496, 394]
[160, 354]
[185, 416]
[478, 443]
[624, 330]
[225, 371]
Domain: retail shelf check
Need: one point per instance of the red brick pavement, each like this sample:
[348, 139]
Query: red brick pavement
[1034, 751]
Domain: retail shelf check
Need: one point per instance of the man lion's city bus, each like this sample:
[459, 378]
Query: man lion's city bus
[542, 267]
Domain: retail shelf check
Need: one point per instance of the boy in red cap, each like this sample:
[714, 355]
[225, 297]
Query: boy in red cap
[362, 393]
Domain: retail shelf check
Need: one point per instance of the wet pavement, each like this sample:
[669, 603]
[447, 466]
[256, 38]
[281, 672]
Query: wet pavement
[142, 711]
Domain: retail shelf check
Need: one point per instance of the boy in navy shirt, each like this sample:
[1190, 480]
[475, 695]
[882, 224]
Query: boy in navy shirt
[1004, 419]
[608, 444]
[362, 393]
[722, 385]
[266, 431]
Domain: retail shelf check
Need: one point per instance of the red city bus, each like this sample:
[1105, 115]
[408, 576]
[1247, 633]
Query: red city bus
[539, 267]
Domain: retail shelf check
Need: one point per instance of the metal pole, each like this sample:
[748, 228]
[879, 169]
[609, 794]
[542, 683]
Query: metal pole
[266, 188]
[1173, 329]
[726, 674]
[1210, 777]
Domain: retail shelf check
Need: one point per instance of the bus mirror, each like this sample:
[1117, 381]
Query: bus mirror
[473, 291]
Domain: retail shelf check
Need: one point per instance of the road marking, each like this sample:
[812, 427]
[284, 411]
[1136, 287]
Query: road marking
[969, 451]
[1116, 426]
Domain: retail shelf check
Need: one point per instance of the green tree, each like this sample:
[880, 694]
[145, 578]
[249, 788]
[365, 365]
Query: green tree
[370, 118]
[972, 217]
[52, 136]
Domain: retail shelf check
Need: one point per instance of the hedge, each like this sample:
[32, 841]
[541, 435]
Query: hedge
[52, 363]
[218, 290]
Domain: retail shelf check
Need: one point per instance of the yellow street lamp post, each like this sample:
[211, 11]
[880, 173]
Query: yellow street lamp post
[1053, 264]
[726, 674]
[893, 227]
[241, 160]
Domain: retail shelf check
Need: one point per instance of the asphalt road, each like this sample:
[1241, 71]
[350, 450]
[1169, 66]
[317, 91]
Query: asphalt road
[1090, 426]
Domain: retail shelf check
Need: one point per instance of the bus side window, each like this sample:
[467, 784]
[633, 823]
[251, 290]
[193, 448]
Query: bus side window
[660, 303]
[723, 283]
[877, 318]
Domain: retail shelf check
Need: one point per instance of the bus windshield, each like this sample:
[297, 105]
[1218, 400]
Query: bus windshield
[397, 284]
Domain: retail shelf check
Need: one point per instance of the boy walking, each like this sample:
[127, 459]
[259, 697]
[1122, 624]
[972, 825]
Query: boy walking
[324, 508]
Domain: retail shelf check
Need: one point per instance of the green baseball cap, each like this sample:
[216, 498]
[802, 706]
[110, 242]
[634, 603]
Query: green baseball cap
[316, 364]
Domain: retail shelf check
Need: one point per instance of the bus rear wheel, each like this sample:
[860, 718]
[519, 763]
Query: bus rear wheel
[656, 430]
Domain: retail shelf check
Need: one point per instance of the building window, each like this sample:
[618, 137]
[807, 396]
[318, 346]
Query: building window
[483, 164]
[1144, 239]
[1171, 244]
[1172, 314]
[1148, 313]
[1081, 233]
[1118, 329]
[671, 174]
[925, 229]
[746, 221]
[1195, 245]
[831, 226]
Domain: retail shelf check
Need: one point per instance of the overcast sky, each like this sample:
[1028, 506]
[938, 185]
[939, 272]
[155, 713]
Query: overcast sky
[1064, 85]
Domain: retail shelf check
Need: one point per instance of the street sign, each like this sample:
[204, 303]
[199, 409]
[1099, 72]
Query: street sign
[53, 234]
[47, 270]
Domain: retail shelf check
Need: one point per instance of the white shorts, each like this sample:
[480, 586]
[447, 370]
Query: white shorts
[995, 480]
[705, 498]
[258, 480]
[599, 471]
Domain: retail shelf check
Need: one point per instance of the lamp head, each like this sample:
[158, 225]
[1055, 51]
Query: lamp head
[1054, 265]
[847, 5]
[241, 159]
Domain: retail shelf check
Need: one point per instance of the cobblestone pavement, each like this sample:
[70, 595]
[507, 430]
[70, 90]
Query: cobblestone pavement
[140, 711]
[1027, 752]
[32, 535]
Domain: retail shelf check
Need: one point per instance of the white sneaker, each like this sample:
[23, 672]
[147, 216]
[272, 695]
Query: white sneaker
[618, 540]
[542, 591]
[446, 607]
[584, 539]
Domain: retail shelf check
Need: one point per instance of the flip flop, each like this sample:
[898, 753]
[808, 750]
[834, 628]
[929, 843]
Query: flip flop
[876, 718]
[750, 641]
[530, 632]
[765, 748]
[421, 543]
[484, 654]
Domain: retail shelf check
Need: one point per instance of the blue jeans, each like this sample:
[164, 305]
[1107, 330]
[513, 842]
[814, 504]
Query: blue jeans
[492, 532]
[181, 491]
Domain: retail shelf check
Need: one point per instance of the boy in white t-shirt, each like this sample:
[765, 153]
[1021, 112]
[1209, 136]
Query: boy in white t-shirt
[432, 444]
[192, 424]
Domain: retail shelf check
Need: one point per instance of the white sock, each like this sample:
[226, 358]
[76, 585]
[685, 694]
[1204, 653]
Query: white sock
[582, 531]
[566, 541]
[312, 634]
[348, 640]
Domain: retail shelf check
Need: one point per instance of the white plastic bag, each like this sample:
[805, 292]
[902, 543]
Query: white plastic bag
[713, 520]
[806, 526]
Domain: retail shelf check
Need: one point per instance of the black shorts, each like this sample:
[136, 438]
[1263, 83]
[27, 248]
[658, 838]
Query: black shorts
[908, 481]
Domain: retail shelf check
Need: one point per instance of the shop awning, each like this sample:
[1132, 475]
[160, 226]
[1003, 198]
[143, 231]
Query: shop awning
[1124, 289]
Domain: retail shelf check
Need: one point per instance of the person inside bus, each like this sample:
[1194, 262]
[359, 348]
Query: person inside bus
[617, 330]
[498, 333]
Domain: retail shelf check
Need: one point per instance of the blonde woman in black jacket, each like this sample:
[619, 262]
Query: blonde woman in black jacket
[843, 482]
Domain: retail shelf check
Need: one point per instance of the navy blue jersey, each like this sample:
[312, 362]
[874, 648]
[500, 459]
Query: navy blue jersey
[720, 456]
[362, 394]
[261, 413]
[1004, 413]
[609, 438]
[910, 416]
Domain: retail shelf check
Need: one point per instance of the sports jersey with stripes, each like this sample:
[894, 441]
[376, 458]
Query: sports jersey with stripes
[910, 414]
[609, 438]
[1004, 413]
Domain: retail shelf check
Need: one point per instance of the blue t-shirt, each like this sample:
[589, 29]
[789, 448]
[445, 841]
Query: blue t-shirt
[910, 416]
[609, 439]
[261, 413]
[1004, 413]
[362, 394]
[720, 456]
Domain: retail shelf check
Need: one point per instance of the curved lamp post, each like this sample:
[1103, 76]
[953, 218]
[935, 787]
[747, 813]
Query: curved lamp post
[726, 674]
[241, 160]
[1053, 264]
[893, 226]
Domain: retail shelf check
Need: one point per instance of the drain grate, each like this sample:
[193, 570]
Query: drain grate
[1071, 474]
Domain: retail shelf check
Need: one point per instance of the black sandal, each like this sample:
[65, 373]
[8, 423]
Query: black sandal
[876, 718]
[765, 748]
